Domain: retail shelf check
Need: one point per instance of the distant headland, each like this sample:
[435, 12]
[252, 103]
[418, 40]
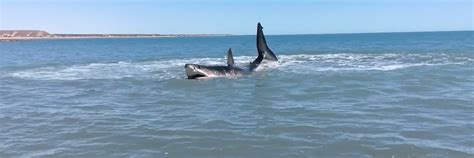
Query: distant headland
[15, 35]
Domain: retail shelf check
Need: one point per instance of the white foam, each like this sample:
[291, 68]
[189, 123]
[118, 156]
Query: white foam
[300, 63]
[361, 62]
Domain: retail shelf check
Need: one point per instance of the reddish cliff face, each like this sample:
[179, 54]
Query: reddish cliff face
[23, 33]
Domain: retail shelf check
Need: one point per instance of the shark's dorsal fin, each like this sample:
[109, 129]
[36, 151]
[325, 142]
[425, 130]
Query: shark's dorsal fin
[230, 58]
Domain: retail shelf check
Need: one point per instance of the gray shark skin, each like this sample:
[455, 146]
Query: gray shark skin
[262, 46]
[196, 71]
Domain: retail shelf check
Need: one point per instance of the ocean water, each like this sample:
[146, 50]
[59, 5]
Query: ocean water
[341, 95]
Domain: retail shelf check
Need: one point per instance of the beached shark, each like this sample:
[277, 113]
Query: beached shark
[195, 71]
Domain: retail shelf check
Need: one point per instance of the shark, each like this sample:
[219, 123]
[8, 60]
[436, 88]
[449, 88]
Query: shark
[196, 71]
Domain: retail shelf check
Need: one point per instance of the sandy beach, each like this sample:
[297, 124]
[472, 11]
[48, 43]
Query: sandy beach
[11, 39]
[19, 35]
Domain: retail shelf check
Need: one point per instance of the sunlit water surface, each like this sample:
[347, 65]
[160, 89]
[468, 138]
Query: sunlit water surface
[351, 95]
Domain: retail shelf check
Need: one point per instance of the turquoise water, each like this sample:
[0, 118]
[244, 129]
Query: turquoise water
[346, 95]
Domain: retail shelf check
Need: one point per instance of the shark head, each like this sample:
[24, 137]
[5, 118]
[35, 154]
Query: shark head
[195, 71]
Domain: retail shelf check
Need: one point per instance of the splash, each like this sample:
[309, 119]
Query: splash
[300, 63]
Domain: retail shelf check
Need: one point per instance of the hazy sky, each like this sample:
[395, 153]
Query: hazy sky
[236, 17]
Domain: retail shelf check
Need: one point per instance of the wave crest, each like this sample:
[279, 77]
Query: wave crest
[300, 63]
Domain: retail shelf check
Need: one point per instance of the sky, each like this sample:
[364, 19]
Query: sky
[236, 17]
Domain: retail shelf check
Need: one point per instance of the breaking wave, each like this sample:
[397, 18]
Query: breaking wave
[301, 63]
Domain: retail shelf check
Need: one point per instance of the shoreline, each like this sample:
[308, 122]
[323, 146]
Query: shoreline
[85, 36]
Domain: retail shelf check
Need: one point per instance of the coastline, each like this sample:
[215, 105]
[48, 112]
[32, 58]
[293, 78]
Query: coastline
[96, 36]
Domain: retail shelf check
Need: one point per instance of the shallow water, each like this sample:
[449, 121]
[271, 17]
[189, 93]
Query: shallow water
[349, 95]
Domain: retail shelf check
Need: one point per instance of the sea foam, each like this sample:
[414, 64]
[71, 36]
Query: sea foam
[300, 63]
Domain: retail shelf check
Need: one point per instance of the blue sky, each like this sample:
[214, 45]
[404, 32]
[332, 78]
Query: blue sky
[236, 17]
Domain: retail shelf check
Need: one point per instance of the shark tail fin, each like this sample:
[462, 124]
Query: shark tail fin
[269, 55]
[230, 58]
[262, 46]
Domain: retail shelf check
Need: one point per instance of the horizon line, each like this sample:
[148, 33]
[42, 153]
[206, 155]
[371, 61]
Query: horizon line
[228, 34]
[362, 32]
